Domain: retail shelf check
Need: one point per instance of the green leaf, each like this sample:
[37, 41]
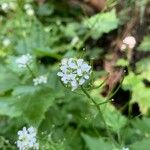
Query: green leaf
[7, 107]
[145, 45]
[96, 143]
[141, 145]
[143, 67]
[142, 125]
[72, 29]
[35, 38]
[33, 102]
[102, 23]
[8, 80]
[140, 93]
[131, 81]
[45, 10]
[122, 62]
[114, 119]
[56, 85]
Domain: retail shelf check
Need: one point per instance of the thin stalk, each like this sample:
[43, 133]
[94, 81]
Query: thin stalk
[102, 82]
[99, 110]
[106, 101]
[30, 71]
[116, 89]
[119, 137]
[110, 97]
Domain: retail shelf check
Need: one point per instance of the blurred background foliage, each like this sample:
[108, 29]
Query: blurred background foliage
[51, 30]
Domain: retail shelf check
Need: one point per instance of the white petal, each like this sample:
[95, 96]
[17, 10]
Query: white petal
[79, 62]
[81, 81]
[60, 74]
[64, 61]
[86, 76]
[79, 72]
[72, 65]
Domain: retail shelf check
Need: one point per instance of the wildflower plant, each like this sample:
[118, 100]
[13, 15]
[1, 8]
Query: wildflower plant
[82, 114]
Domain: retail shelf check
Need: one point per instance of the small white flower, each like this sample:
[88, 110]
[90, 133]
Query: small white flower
[123, 47]
[125, 148]
[128, 42]
[40, 80]
[27, 139]
[5, 7]
[12, 5]
[24, 61]
[75, 40]
[74, 72]
[27, 6]
[29, 10]
[6, 42]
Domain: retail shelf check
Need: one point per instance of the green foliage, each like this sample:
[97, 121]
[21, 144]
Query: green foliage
[143, 67]
[102, 23]
[96, 143]
[140, 93]
[144, 145]
[122, 62]
[142, 126]
[31, 106]
[65, 119]
[145, 45]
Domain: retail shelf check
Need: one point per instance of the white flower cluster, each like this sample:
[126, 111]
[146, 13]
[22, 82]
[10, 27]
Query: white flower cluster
[128, 42]
[40, 80]
[27, 139]
[24, 60]
[29, 10]
[6, 42]
[8, 6]
[74, 72]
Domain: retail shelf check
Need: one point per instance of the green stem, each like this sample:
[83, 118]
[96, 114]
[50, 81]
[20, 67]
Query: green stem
[111, 95]
[30, 71]
[99, 110]
[102, 82]
[106, 101]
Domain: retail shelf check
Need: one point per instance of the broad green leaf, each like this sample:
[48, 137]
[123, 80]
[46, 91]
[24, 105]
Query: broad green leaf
[8, 80]
[102, 23]
[72, 29]
[45, 10]
[141, 145]
[35, 38]
[96, 143]
[140, 93]
[114, 119]
[122, 62]
[56, 85]
[145, 45]
[143, 67]
[8, 108]
[131, 81]
[142, 126]
[33, 102]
